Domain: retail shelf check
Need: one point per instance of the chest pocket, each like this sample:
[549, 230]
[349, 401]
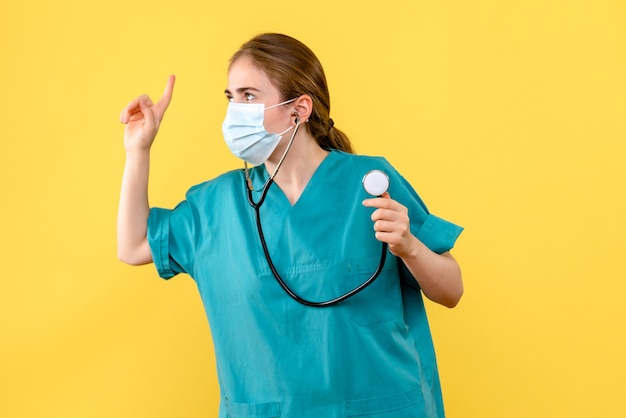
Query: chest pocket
[252, 410]
[381, 301]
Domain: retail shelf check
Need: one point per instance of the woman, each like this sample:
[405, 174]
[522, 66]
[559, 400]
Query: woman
[320, 234]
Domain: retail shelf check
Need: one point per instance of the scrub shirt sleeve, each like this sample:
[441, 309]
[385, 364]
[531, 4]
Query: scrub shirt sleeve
[436, 233]
[171, 238]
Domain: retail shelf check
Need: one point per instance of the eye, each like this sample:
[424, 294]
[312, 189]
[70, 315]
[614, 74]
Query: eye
[230, 98]
[249, 97]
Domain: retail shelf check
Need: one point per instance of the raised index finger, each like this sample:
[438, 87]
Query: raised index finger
[161, 106]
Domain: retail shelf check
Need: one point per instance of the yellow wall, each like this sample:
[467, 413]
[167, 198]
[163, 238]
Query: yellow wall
[509, 117]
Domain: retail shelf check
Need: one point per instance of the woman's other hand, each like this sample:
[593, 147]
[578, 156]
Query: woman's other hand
[391, 224]
[143, 118]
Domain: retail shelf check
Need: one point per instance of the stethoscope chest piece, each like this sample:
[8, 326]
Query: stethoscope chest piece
[375, 182]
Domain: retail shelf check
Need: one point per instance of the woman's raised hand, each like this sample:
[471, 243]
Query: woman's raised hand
[143, 118]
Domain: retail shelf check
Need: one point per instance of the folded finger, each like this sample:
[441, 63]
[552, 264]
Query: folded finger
[134, 107]
[384, 214]
[383, 226]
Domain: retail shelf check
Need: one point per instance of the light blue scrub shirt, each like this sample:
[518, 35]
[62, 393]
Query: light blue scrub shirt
[372, 355]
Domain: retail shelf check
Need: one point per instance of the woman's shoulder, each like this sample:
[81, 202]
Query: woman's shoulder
[370, 161]
[220, 184]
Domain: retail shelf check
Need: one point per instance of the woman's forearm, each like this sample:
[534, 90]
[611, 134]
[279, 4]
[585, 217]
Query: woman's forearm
[438, 275]
[132, 220]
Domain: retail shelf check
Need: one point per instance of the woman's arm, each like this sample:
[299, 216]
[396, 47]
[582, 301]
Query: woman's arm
[438, 275]
[132, 214]
[142, 119]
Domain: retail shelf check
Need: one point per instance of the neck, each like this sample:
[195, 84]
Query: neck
[303, 158]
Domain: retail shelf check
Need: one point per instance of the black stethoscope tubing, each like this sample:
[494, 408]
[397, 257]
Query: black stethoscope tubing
[281, 282]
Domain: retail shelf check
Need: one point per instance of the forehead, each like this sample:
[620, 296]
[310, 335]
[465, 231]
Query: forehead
[244, 74]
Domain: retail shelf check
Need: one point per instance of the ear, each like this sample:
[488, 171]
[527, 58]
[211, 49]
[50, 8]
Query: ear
[303, 106]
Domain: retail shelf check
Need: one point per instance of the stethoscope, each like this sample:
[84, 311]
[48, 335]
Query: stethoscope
[374, 182]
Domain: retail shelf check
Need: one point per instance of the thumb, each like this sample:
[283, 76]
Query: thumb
[149, 122]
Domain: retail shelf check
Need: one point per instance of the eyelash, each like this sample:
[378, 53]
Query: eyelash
[248, 97]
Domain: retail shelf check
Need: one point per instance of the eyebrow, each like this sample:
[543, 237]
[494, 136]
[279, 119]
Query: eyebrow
[242, 89]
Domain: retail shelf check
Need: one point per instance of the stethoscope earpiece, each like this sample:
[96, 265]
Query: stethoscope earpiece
[376, 182]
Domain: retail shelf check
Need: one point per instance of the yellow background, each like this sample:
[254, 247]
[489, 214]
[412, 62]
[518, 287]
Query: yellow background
[509, 117]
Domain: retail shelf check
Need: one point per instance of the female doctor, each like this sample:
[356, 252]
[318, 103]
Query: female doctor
[274, 248]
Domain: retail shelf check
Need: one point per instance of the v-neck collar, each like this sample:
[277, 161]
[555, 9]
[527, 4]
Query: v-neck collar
[259, 176]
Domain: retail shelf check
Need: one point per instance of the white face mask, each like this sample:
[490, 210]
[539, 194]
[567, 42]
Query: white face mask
[245, 133]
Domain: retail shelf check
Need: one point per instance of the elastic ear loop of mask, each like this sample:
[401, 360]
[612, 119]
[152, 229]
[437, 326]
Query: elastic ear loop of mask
[271, 177]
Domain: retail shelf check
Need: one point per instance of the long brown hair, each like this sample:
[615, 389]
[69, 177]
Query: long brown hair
[295, 70]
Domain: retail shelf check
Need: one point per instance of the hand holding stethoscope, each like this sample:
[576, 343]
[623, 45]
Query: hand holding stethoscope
[391, 219]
